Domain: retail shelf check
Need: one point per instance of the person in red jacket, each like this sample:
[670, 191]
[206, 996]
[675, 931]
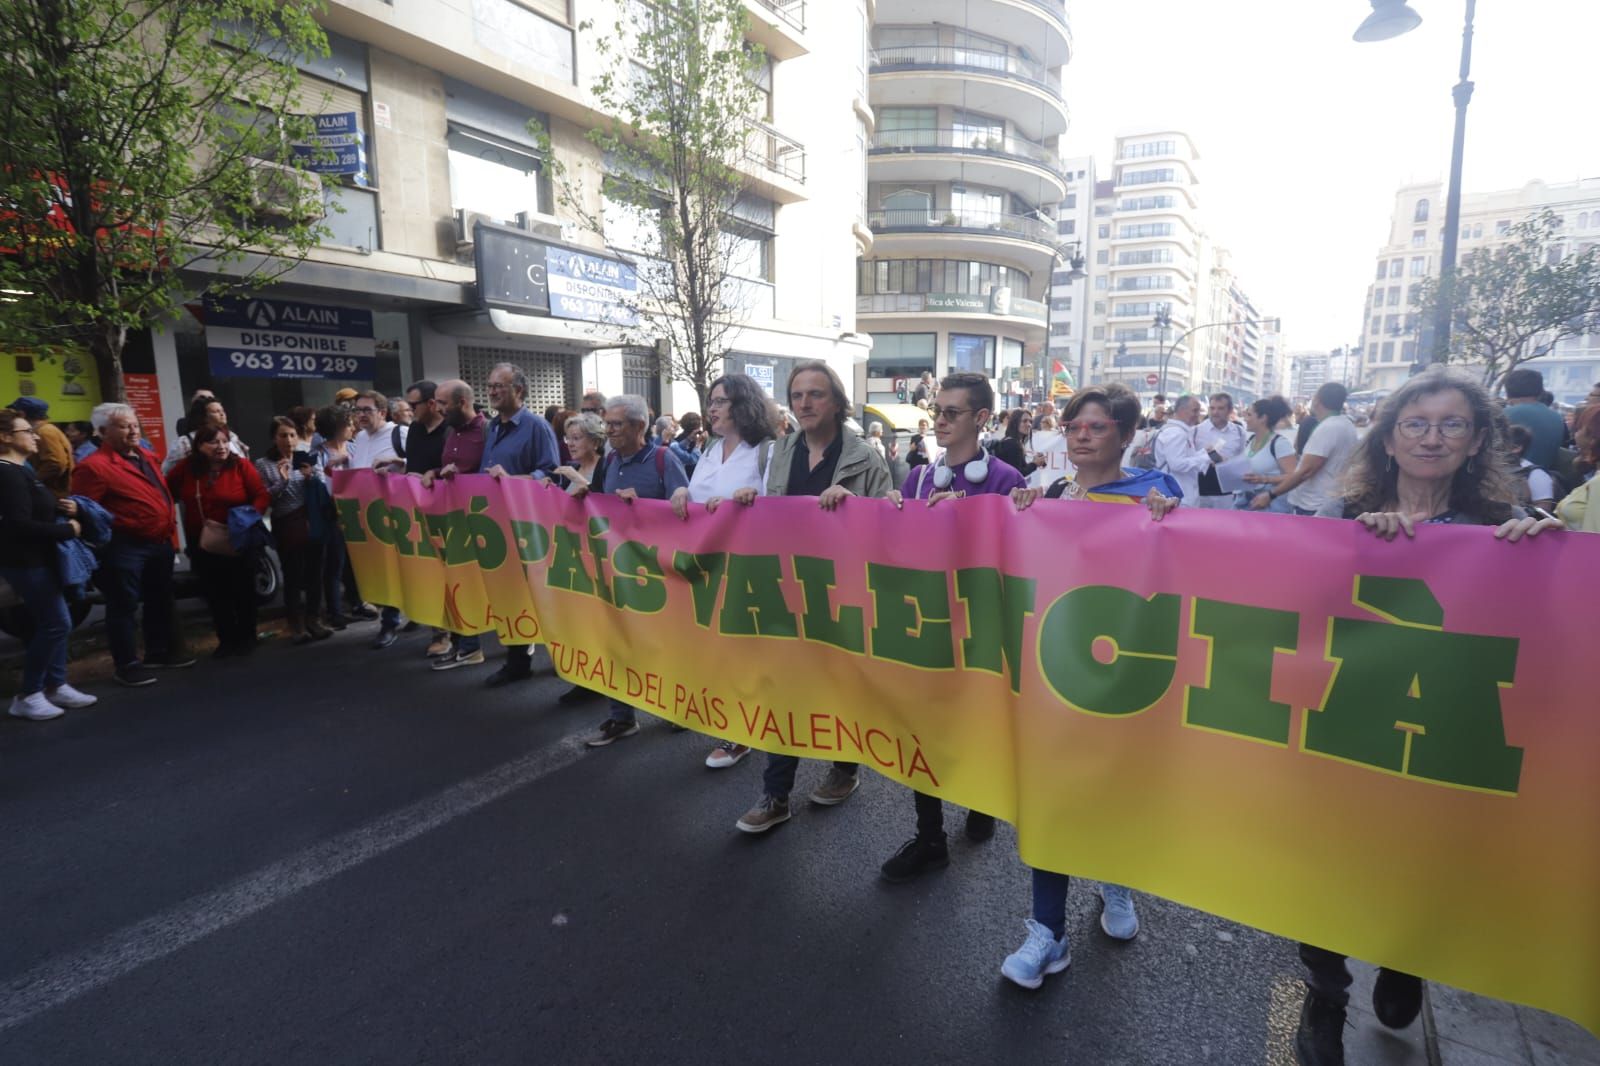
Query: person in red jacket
[209, 482]
[136, 567]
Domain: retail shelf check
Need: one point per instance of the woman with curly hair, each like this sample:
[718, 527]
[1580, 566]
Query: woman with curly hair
[1436, 453]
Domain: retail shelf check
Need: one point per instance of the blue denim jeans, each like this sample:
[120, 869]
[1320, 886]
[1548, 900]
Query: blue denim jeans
[134, 571]
[777, 778]
[1050, 900]
[39, 588]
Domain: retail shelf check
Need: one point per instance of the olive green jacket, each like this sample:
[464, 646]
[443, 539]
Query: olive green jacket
[860, 469]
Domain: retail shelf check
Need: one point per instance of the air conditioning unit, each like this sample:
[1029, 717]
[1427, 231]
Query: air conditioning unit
[279, 191]
[465, 221]
[527, 220]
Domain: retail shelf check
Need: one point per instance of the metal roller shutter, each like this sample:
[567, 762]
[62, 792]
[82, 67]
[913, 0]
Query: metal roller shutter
[552, 377]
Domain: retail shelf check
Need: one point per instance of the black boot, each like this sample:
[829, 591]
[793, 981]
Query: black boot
[1319, 1040]
[1396, 998]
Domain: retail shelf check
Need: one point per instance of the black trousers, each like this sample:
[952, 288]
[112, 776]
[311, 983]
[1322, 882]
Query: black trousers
[302, 581]
[930, 816]
[230, 590]
[1329, 977]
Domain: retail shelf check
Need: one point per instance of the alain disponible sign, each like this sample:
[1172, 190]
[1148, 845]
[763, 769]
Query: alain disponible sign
[521, 273]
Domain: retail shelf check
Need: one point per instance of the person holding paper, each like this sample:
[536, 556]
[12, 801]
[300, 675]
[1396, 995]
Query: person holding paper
[1222, 439]
[1270, 456]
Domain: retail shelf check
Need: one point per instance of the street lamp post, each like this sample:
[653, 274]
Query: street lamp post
[1391, 18]
[1075, 273]
[1166, 355]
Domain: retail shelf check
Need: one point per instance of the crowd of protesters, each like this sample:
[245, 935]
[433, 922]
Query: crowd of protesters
[96, 504]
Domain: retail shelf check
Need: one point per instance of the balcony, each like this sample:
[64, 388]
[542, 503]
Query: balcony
[970, 155]
[1041, 24]
[986, 223]
[988, 82]
[779, 26]
[775, 153]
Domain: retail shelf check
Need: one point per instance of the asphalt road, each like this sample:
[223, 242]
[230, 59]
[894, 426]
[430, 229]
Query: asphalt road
[332, 855]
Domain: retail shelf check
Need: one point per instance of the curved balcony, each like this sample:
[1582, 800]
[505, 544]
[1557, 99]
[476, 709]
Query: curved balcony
[930, 233]
[991, 83]
[1041, 24]
[1030, 170]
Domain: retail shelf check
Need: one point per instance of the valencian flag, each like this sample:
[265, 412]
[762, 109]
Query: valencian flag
[1061, 383]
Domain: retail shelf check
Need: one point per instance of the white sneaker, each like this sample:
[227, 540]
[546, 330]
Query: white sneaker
[35, 708]
[71, 699]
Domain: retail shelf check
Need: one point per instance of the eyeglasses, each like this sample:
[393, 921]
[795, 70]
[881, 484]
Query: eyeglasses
[718, 401]
[1453, 428]
[1093, 426]
[950, 414]
[366, 410]
[616, 425]
[23, 429]
[589, 410]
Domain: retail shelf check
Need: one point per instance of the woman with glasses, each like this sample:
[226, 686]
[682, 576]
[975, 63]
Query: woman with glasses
[741, 421]
[30, 561]
[208, 484]
[1435, 455]
[584, 437]
[1099, 426]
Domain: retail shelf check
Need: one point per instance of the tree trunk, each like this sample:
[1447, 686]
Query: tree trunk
[106, 342]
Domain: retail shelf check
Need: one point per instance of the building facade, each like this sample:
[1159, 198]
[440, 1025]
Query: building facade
[1391, 334]
[1308, 371]
[963, 178]
[1070, 302]
[453, 250]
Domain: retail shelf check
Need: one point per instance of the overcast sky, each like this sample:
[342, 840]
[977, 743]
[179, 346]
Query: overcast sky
[1304, 135]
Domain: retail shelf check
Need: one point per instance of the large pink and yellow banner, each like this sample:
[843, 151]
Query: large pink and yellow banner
[1387, 749]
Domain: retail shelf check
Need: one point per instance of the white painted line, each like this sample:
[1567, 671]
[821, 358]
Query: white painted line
[64, 979]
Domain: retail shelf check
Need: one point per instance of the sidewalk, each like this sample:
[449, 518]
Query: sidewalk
[1456, 1029]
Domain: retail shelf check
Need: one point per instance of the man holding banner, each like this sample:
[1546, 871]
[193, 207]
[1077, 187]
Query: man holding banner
[828, 462]
[960, 411]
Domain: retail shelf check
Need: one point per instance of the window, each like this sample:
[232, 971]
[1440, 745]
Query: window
[907, 207]
[1421, 213]
[1102, 257]
[749, 254]
[1502, 228]
[1419, 238]
[972, 130]
[1145, 229]
[1419, 266]
[970, 352]
[901, 354]
[906, 127]
[1388, 351]
[494, 177]
[1377, 324]
[878, 277]
[1383, 270]
[1067, 227]
[1099, 333]
[1099, 307]
[1391, 325]
[1103, 232]
[1408, 352]
[1163, 176]
[1145, 203]
[1377, 297]
[1100, 283]
[1071, 201]
[1394, 296]
[1397, 268]
[1061, 329]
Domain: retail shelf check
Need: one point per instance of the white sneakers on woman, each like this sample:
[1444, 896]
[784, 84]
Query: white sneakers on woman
[43, 706]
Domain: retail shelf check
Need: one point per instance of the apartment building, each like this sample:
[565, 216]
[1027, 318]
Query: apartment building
[1070, 302]
[451, 250]
[1391, 334]
[963, 177]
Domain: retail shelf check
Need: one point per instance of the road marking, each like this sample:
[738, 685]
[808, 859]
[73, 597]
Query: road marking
[64, 979]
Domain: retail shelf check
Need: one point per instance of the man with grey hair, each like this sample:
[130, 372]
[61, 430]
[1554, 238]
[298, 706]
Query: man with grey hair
[593, 403]
[636, 468]
[518, 443]
[136, 567]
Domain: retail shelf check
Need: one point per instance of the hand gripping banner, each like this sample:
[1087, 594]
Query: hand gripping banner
[1385, 749]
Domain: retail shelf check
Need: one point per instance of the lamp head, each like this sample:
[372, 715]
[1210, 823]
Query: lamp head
[1389, 18]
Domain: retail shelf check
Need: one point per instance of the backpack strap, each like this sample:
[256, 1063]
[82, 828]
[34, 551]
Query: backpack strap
[397, 441]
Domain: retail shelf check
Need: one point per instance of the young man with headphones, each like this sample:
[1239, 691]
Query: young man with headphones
[960, 412]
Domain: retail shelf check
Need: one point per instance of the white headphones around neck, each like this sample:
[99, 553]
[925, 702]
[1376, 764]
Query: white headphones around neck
[976, 472]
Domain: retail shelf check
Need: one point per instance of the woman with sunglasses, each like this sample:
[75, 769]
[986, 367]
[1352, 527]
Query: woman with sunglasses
[1099, 425]
[31, 564]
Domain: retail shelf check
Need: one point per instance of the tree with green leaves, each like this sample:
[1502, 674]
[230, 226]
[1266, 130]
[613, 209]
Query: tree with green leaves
[140, 141]
[1513, 301]
[680, 83]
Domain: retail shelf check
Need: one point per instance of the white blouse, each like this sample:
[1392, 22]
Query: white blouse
[715, 478]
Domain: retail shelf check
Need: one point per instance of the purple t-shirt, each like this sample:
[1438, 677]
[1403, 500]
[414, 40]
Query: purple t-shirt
[1002, 478]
